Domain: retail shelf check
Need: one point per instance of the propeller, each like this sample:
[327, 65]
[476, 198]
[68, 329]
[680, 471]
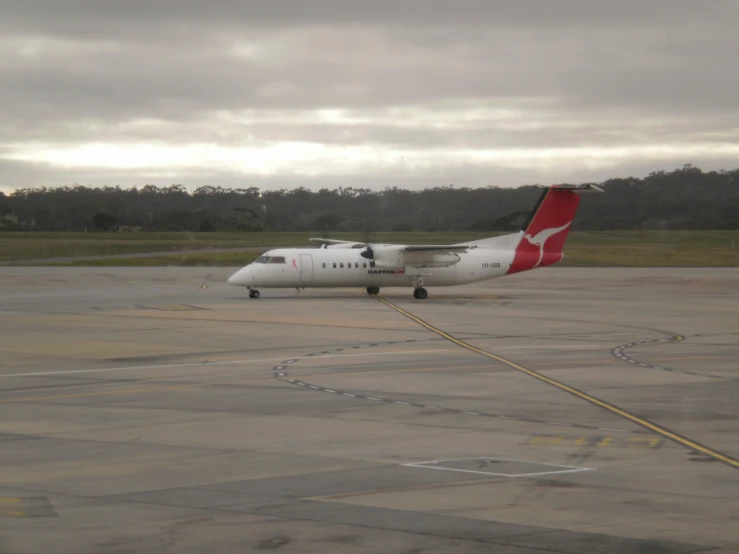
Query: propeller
[369, 254]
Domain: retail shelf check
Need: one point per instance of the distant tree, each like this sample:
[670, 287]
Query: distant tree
[328, 222]
[206, 226]
[684, 198]
[103, 221]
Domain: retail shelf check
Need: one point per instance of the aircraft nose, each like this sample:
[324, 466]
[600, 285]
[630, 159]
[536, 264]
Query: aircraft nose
[239, 278]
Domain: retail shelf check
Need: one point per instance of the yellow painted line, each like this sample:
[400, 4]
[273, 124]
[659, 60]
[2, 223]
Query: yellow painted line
[654, 427]
[594, 442]
[10, 500]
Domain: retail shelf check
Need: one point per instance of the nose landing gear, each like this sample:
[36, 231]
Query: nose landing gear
[253, 293]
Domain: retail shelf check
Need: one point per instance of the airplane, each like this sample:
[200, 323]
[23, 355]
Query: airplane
[338, 263]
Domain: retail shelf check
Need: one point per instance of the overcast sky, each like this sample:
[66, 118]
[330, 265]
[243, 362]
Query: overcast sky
[326, 93]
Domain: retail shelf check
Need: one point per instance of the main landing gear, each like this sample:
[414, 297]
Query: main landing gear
[420, 293]
[253, 293]
[373, 290]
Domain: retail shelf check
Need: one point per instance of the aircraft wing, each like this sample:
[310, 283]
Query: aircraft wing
[335, 243]
[436, 247]
[331, 241]
[402, 255]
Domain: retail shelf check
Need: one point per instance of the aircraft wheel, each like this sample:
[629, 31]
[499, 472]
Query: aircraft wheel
[253, 293]
[373, 290]
[420, 293]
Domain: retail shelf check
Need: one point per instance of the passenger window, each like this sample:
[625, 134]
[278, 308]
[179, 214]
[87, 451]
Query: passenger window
[324, 265]
[364, 264]
[341, 265]
[334, 266]
[356, 265]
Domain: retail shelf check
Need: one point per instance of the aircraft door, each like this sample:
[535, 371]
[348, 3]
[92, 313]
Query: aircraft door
[306, 269]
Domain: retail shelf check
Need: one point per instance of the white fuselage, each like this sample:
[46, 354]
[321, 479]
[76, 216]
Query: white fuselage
[345, 267]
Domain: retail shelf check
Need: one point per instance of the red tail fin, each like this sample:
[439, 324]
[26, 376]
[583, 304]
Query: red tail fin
[546, 230]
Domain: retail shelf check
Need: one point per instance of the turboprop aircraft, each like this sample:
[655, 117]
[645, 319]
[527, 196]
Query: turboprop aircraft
[338, 263]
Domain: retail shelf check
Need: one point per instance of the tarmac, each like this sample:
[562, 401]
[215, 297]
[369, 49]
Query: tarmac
[563, 410]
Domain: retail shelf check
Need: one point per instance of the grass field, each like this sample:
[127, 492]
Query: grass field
[583, 249]
[225, 259]
[653, 249]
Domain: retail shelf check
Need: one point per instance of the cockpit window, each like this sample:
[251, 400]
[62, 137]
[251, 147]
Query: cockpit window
[270, 260]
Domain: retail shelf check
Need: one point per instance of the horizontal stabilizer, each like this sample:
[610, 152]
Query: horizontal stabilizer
[576, 188]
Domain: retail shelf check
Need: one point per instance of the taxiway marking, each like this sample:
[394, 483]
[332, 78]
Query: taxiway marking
[618, 352]
[594, 442]
[285, 377]
[642, 422]
[16, 510]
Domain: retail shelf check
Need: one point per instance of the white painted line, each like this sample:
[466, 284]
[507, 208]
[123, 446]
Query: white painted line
[460, 470]
[617, 430]
[499, 460]
[403, 403]
[561, 424]
[471, 413]
[554, 472]
[206, 364]
[432, 407]
[576, 470]
[348, 394]
[329, 390]
[373, 398]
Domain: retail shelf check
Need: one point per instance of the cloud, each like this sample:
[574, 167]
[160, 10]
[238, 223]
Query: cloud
[345, 89]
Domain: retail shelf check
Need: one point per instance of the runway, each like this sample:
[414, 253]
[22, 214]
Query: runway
[563, 410]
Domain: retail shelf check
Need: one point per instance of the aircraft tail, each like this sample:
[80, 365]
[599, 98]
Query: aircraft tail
[544, 234]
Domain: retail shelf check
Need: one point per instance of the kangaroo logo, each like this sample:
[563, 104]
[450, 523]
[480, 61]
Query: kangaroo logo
[541, 238]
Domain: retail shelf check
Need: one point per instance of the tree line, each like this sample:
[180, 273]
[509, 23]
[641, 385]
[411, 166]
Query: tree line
[686, 198]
